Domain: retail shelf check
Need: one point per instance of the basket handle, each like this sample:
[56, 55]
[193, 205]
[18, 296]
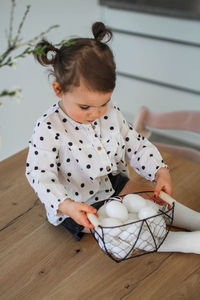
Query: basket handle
[93, 219]
[167, 198]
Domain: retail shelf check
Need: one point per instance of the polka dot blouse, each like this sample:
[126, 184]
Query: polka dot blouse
[67, 159]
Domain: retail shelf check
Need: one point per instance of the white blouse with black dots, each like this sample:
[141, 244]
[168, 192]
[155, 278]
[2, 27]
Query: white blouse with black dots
[67, 159]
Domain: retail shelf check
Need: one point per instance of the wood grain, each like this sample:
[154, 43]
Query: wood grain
[43, 262]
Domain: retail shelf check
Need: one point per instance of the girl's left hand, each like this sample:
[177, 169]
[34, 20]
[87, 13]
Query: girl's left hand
[163, 182]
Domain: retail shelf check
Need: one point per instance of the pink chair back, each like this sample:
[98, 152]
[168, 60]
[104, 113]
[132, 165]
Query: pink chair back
[179, 120]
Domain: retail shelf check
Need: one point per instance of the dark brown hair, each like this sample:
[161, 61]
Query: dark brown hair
[81, 59]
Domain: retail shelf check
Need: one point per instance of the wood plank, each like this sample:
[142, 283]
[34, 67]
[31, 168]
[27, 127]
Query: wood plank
[37, 255]
[104, 279]
[16, 194]
[40, 261]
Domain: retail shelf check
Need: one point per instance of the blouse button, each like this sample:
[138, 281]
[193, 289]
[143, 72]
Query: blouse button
[93, 126]
[99, 148]
[108, 168]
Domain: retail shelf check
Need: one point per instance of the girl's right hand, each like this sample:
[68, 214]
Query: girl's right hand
[77, 211]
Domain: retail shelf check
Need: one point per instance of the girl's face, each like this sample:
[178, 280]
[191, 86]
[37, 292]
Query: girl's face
[83, 105]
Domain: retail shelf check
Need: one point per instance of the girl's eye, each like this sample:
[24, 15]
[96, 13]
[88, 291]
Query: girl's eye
[84, 107]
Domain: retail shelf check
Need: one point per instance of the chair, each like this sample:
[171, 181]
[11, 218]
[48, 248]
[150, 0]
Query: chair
[181, 120]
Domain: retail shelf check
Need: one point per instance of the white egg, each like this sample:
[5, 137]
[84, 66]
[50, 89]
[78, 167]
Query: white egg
[108, 247]
[115, 246]
[130, 233]
[98, 232]
[102, 211]
[103, 239]
[116, 209]
[125, 235]
[114, 240]
[158, 227]
[121, 251]
[149, 248]
[101, 244]
[132, 217]
[143, 240]
[134, 202]
[102, 217]
[105, 246]
[111, 222]
[133, 229]
[146, 212]
[152, 204]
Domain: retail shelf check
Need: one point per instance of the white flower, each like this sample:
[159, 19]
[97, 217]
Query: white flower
[18, 93]
[14, 63]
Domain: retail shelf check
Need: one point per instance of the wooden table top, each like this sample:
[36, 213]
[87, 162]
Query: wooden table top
[43, 262]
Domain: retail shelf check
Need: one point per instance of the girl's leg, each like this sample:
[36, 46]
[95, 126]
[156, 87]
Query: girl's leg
[187, 242]
[186, 218]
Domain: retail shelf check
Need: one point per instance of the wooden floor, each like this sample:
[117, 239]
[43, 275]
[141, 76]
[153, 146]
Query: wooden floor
[42, 262]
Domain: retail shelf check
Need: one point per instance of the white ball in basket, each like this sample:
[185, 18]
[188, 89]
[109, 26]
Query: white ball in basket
[102, 211]
[132, 217]
[152, 204]
[116, 209]
[158, 227]
[105, 245]
[144, 240]
[146, 212]
[111, 222]
[121, 250]
[134, 202]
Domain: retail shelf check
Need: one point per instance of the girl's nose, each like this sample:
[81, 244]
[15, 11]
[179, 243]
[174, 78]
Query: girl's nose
[96, 114]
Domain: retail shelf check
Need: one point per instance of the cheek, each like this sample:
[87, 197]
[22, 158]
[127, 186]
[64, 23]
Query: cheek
[79, 114]
[104, 111]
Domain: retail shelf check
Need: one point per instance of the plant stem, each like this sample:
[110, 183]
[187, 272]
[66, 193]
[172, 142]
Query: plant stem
[11, 23]
[21, 24]
[5, 54]
[31, 42]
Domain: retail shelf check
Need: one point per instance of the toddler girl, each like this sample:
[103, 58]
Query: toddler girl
[78, 151]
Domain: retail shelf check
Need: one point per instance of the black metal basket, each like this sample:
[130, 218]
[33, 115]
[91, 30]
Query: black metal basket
[136, 238]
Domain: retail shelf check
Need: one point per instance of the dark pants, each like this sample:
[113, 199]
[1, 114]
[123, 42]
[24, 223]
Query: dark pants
[118, 182]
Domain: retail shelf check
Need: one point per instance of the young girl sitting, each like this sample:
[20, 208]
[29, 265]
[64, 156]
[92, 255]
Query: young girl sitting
[78, 151]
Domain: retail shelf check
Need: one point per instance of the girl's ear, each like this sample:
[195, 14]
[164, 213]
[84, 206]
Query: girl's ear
[57, 89]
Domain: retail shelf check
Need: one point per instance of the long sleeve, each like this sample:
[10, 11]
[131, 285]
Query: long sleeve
[42, 168]
[143, 156]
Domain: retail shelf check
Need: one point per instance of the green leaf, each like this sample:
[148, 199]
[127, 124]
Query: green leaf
[40, 50]
[69, 43]
[7, 93]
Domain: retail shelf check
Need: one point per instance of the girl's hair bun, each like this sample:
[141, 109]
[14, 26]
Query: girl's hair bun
[42, 51]
[99, 31]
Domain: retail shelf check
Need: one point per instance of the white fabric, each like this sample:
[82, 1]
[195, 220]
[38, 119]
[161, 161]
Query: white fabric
[67, 159]
[187, 242]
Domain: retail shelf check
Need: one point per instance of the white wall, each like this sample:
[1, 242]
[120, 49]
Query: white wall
[158, 59]
[75, 17]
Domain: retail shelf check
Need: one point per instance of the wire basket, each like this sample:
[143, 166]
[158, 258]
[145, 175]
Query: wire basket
[136, 238]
